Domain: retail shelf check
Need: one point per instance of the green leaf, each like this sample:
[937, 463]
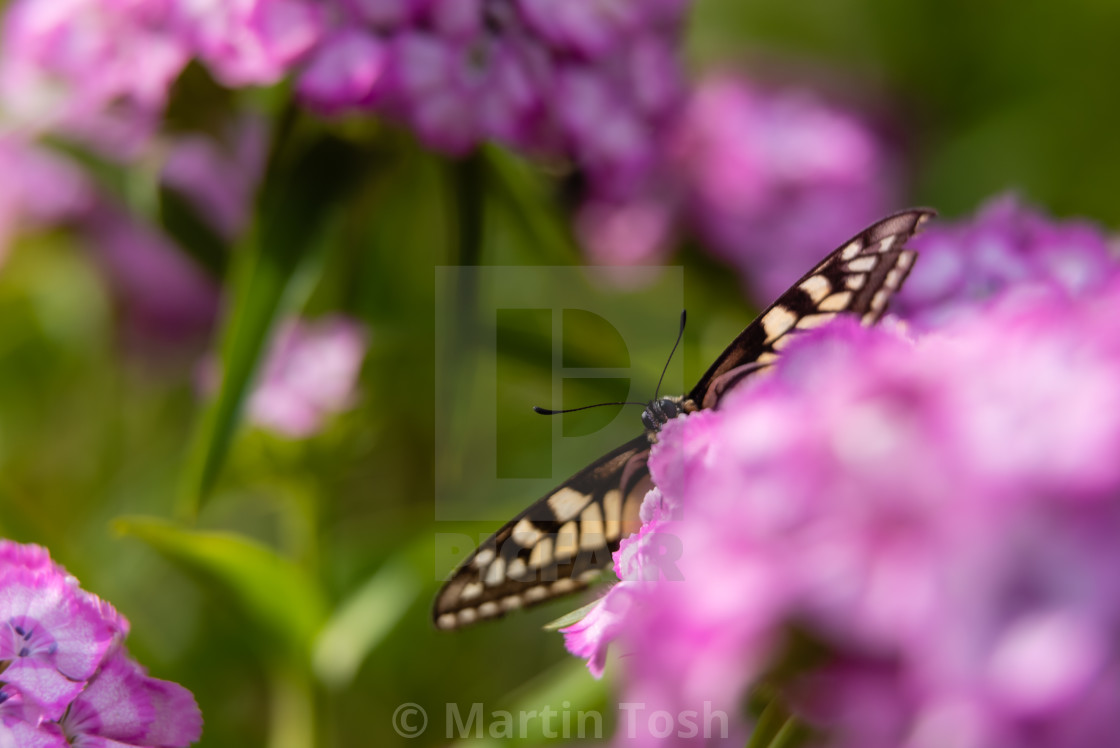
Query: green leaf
[276, 595]
[364, 620]
[574, 616]
[304, 182]
[773, 723]
[532, 207]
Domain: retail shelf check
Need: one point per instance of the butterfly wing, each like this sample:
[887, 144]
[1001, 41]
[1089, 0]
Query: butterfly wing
[858, 278]
[556, 546]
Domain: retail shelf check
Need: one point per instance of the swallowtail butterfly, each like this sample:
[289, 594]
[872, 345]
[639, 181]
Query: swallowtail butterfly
[562, 541]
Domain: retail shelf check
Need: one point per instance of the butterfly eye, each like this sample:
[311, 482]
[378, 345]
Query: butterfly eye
[648, 420]
[670, 409]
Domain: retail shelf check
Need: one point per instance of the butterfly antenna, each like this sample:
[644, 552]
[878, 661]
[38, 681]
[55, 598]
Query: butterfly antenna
[548, 412]
[680, 334]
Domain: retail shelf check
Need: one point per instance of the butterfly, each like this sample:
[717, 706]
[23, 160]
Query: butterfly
[560, 543]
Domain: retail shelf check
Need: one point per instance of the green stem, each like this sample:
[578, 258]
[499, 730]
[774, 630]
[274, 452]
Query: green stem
[466, 193]
[788, 734]
[769, 725]
[308, 175]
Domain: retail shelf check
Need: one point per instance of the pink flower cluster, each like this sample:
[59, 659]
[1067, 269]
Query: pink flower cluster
[65, 675]
[1009, 247]
[585, 78]
[101, 71]
[913, 539]
[766, 179]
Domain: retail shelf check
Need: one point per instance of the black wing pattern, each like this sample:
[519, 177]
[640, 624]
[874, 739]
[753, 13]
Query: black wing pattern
[858, 278]
[556, 546]
[564, 539]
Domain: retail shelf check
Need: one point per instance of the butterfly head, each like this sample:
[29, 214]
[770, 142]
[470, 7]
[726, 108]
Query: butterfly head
[660, 411]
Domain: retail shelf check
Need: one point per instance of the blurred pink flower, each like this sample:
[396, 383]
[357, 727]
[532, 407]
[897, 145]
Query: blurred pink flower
[96, 70]
[309, 374]
[774, 177]
[591, 80]
[219, 176]
[249, 42]
[345, 72]
[935, 517]
[1008, 246]
[68, 679]
[163, 294]
[639, 561]
[37, 188]
[766, 179]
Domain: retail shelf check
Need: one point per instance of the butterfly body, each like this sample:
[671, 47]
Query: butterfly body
[561, 542]
[661, 410]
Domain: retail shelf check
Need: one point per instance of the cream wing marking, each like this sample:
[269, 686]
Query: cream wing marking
[545, 552]
[858, 278]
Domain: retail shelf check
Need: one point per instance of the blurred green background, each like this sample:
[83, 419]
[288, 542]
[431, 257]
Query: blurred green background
[297, 607]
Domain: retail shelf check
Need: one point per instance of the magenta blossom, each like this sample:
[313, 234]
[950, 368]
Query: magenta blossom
[249, 42]
[766, 179]
[37, 189]
[308, 374]
[910, 539]
[218, 176]
[775, 176]
[637, 562]
[1008, 246]
[164, 295]
[125, 705]
[65, 676]
[97, 70]
[938, 516]
[588, 79]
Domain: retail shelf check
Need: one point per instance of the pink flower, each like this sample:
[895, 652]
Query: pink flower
[645, 557]
[591, 80]
[775, 176]
[766, 179]
[37, 189]
[67, 677]
[164, 295]
[345, 72]
[124, 705]
[52, 638]
[21, 723]
[99, 70]
[912, 539]
[219, 175]
[310, 373]
[250, 42]
[1007, 247]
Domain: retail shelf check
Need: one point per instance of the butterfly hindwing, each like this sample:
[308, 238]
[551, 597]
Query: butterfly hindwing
[561, 541]
[857, 278]
[556, 546]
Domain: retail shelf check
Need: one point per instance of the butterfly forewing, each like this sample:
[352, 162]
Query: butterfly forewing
[858, 278]
[560, 542]
[556, 546]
